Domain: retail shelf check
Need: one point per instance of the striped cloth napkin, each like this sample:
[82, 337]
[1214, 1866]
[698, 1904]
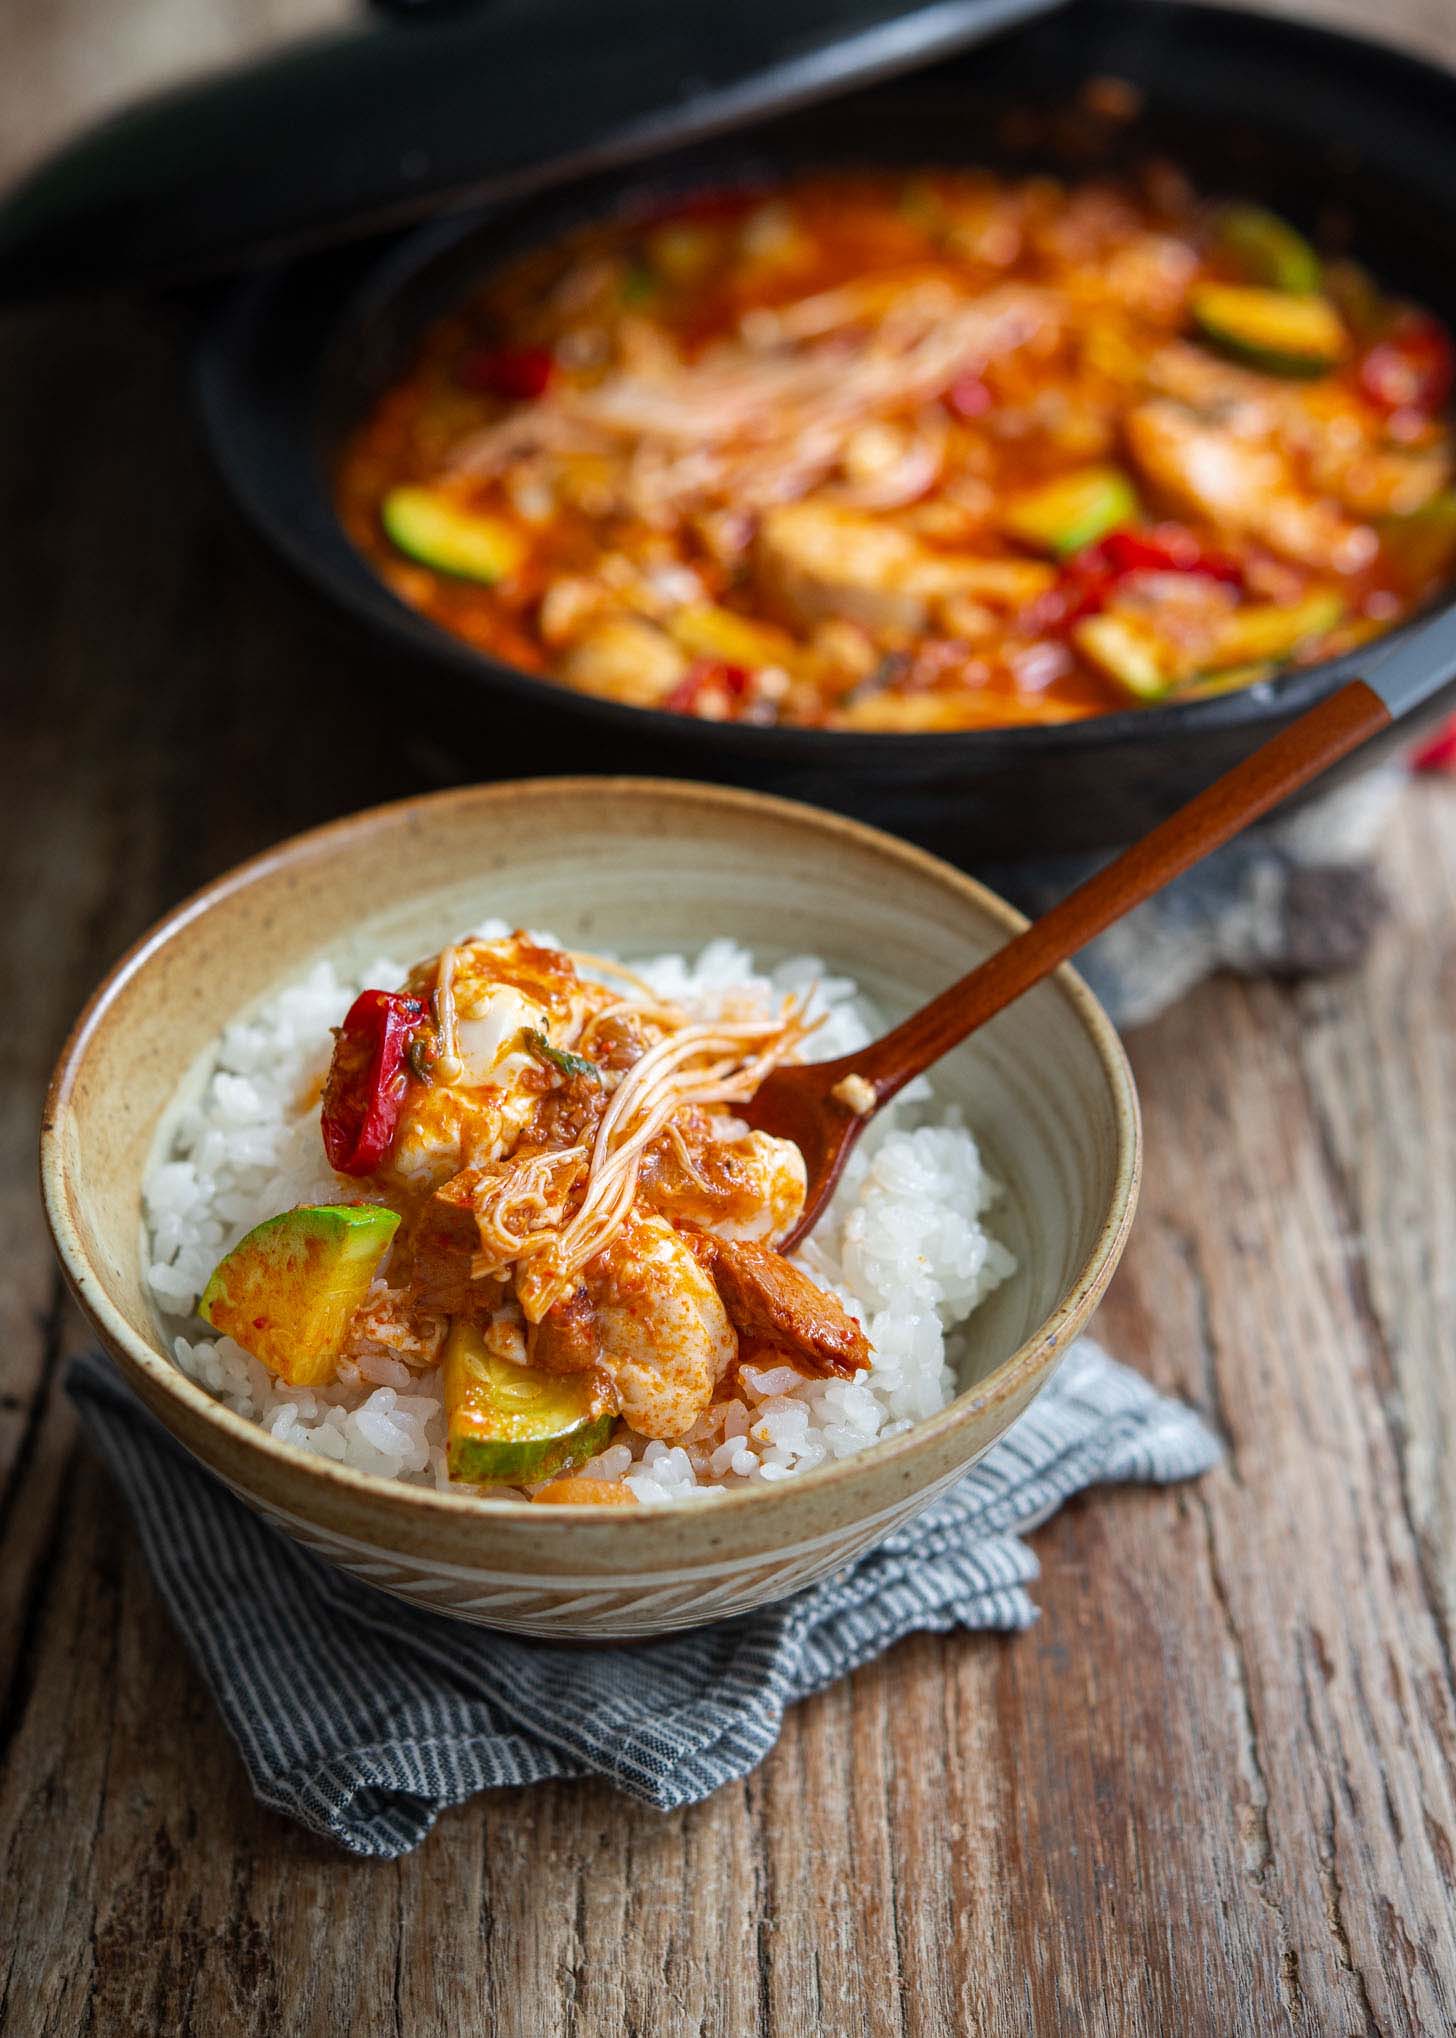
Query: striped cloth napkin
[365, 1718]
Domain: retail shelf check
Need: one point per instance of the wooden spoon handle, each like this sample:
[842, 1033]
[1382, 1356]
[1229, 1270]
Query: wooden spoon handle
[1326, 733]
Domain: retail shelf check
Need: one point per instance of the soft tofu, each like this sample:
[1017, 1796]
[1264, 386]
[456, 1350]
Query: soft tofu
[817, 561]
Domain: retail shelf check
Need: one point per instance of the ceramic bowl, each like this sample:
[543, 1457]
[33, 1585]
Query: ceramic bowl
[633, 866]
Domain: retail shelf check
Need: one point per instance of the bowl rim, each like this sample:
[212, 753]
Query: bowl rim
[1051, 1336]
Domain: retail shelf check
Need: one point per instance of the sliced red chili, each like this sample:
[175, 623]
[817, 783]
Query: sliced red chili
[367, 1080]
[1090, 578]
[1167, 548]
[1412, 367]
[519, 373]
[703, 676]
[1082, 591]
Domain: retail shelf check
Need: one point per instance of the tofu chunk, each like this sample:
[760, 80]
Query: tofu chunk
[817, 560]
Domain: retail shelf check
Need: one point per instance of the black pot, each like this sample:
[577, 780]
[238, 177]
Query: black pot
[1354, 141]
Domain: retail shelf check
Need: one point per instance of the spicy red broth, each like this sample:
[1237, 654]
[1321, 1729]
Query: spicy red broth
[916, 452]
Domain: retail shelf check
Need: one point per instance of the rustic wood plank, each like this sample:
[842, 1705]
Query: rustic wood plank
[1211, 1792]
[1343, 1694]
[1380, 1062]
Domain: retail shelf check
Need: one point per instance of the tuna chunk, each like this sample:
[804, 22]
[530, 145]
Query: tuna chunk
[391, 1325]
[771, 1302]
[568, 1338]
[445, 1241]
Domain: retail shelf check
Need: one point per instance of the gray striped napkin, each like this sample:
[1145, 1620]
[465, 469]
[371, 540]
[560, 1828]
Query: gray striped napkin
[364, 1718]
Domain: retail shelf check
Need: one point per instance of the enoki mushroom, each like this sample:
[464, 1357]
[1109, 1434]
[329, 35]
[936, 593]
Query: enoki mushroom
[711, 1063]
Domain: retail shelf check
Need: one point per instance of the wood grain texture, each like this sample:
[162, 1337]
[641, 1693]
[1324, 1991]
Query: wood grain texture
[1210, 1793]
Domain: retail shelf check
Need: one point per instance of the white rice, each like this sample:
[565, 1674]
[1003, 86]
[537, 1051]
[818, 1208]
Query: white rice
[903, 1245]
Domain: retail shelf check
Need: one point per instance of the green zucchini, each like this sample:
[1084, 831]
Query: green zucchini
[1249, 644]
[287, 1291]
[1062, 516]
[1269, 329]
[1129, 653]
[1274, 631]
[516, 1423]
[1266, 250]
[469, 544]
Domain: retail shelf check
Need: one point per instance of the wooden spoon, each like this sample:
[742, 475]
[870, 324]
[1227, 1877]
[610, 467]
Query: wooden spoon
[824, 1106]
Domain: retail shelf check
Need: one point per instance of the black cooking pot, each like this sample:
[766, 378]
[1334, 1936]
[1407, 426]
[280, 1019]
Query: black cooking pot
[1355, 142]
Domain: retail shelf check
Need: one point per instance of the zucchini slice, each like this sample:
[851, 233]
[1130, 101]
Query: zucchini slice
[286, 1292]
[1271, 631]
[516, 1423]
[1130, 654]
[1249, 645]
[1269, 329]
[704, 630]
[1266, 250]
[428, 527]
[1064, 515]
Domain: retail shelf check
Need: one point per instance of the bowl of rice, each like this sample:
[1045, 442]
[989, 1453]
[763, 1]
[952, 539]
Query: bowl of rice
[972, 1236]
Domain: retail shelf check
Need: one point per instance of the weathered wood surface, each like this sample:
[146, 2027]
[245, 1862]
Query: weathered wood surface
[1212, 1792]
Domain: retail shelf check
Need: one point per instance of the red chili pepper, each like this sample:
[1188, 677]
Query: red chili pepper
[969, 397]
[519, 373]
[701, 675]
[367, 1080]
[1439, 753]
[1412, 367]
[1082, 591]
[1091, 576]
[1167, 548]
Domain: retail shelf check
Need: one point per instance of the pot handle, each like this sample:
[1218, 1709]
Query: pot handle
[1419, 666]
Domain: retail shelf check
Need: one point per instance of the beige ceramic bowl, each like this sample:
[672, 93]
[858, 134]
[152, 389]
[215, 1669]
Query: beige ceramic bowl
[632, 866]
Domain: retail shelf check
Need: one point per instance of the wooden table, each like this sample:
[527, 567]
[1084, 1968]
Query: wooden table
[1211, 1792]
